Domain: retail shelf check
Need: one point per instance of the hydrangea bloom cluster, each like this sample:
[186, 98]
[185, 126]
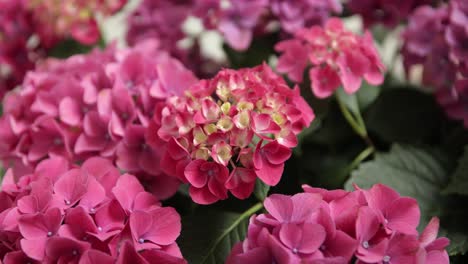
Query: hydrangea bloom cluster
[337, 57]
[386, 12]
[28, 29]
[75, 17]
[88, 214]
[237, 20]
[17, 53]
[321, 226]
[163, 20]
[435, 38]
[227, 131]
[98, 104]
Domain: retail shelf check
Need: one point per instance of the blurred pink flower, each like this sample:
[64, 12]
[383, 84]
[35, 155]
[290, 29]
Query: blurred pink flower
[337, 56]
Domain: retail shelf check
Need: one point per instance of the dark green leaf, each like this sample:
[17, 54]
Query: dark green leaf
[208, 236]
[404, 115]
[68, 48]
[458, 243]
[459, 180]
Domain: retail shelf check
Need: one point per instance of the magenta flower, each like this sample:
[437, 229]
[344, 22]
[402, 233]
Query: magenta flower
[388, 13]
[314, 227]
[83, 215]
[441, 53]
[337, 56]
[433, 248]
[226, 132]
[36, 229]
[207, 181]
[98, 104]
[269, 161]
[395, 213]
[155, 228]
[297, 14]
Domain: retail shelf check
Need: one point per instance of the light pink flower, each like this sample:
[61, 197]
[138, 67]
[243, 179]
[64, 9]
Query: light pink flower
[337, 56]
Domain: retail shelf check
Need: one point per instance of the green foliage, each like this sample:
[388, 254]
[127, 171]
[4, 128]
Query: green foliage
[404, 115]
[459, 180]
[67, 48]
[261, 190]
[216, 232]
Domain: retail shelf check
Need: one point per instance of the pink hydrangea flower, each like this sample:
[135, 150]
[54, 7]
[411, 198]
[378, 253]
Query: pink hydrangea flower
[297, 14]
[441, 53]
[314, 227]
[227, 131]
[82, 215]
[77, 18]
[99, 104]
[388, 13]
[337, 57]
[29, 29]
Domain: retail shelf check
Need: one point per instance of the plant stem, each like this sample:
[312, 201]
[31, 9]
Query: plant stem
[226, 232]
[356, 122]
[359, 158]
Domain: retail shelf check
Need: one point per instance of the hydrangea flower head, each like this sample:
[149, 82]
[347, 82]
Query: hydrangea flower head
[435, 39]
[386, 12]
[98, 104]
[337, 57]
[29, 29]
[227, 131]
[321, 226]
[84, 214]
[77, 18]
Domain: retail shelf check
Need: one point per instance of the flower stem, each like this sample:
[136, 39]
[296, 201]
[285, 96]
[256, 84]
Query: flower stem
[356, 122]
[228, 230]
[359, 158]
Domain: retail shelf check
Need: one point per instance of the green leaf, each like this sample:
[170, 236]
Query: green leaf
[67, 48]
[208, 236]
[404, 115]
[350, 100]
[458, 243]
[411, 171]
[459, 180]
[261, 190]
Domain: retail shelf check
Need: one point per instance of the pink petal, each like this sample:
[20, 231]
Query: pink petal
[237, 37]
[341, 245]
[94, 256]
[71, 186]
[304, 204]
[312, 238]
[70, 111]
[193, 174]
[324, 81]
[202, 195]
[270, 174]
[279, 206]
[125, 190]
[430, 232]
[34, 248]
[403, 215]
[165, 227]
